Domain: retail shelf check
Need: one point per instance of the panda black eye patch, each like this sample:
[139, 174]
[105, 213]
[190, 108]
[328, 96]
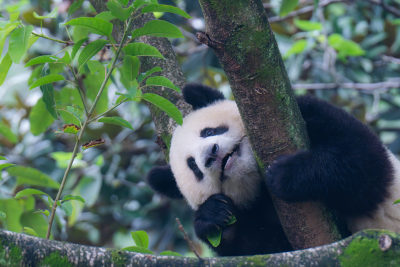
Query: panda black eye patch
[193, 166]
[206, 132]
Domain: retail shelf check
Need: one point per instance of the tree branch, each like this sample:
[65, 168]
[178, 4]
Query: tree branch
[395, 83]
[366, 248]
[303, 10]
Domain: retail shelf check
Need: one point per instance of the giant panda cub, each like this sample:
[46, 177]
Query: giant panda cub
[213, 167]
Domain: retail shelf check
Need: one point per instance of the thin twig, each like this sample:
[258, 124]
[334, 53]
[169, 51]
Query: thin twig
[53, 39]
[386, 7]
[69, 43]
[78, 139]
[358, 86]
[303, 10]
[391, 59]
[187, 239]
[105, 112]
[80, 90]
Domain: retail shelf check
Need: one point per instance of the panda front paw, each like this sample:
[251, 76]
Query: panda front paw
[285, 177]
[213, 215]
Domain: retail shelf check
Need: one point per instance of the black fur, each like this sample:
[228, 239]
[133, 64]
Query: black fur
[162, 180]
[257, 230]
[200, 96]
[346, 167]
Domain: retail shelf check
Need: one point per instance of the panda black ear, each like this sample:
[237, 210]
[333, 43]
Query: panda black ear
[200, 96]
[162, 180]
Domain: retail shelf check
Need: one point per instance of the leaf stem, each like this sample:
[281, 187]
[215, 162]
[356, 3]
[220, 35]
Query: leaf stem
[52, 39]
[105, 112]
[87, 120]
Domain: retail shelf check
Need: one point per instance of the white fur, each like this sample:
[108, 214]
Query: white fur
[243, 179]
[387, 215]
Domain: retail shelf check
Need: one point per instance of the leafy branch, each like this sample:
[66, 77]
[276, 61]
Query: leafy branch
[86, 122]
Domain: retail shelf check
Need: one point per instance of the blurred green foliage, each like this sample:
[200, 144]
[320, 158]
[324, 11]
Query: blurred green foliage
[347, 52]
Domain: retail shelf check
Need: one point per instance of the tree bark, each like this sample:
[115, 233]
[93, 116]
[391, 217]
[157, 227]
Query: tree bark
[367, 248]
[241, 37]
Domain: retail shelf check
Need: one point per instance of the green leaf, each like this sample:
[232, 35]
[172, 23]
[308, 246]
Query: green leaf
[287, 6]
[36, 221]
[5, 165]
[306, 25]
[141, 49]
[67, 208]
[40, 119]
[3, 216]
[296, 48]
[71, 128]
[165, 8]
[2, 158]
[31, 176]
[41, 60]
[95, 25]
[130, 68]
[143, 76]
[158, 28]
[395, 21]
[48, 91]
[62, 159]
[51, 15]
[165, 105]
[4, 67]
[89, 188]
[397, 201]
[90, 50]
[116, 121]
[45, 212]
[30, 231]
[162, 81]
[51, 78]
[170, 253]
[141, 239]
[13, 210]
[215, 238]
[71, 197]
[138, 250]
[76, 47]
[344, 47]
[139, 3]
[19, 42]
[29, 192]
[232, 220]
[7, 133]
[105, 15]
[118, 10]
[5, 31]
[75, 6]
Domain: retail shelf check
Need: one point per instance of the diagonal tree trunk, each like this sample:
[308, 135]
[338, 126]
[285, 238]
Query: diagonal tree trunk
[241, 37]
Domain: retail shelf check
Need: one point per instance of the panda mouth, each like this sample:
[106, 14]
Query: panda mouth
[225, 160]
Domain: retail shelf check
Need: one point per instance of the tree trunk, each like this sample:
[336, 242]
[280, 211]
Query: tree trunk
[367, 248]
[241, 37]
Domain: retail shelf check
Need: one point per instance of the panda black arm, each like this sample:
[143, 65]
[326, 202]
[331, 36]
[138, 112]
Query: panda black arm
[257, 229]
[347, 166]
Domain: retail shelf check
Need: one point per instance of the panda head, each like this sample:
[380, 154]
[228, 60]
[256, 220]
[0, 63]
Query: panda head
[209, 154]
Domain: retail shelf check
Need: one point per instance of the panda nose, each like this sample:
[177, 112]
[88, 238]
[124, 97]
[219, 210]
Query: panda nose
[212, 155]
